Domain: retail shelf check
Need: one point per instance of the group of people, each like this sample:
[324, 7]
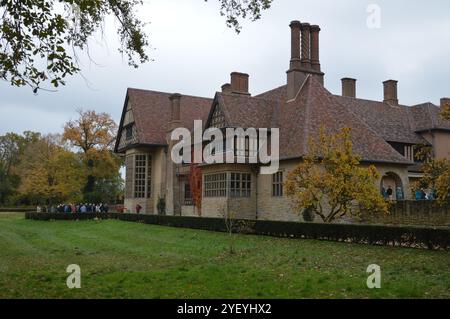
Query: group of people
[421, 194]
[390, 194]
[74, 208]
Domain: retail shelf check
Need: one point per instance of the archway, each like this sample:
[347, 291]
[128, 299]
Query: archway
[392, 187]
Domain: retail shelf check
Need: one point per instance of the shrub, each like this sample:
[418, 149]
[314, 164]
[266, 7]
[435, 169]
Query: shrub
[402, 236]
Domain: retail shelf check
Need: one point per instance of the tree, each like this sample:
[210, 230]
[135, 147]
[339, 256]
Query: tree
[330, 180]
[436, 173]
[94, 135]
[445, 112]
[50, 172]
[40, 39]
[12, 146]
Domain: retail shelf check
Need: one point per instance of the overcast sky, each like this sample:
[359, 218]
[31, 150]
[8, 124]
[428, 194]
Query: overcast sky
[194, 52]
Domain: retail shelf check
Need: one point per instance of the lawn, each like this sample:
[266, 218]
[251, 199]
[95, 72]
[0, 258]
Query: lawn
[131, 260]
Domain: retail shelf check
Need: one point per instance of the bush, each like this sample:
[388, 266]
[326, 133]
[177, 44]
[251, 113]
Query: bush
[403, 236]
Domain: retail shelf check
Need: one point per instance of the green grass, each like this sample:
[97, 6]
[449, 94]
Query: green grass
[131, 260]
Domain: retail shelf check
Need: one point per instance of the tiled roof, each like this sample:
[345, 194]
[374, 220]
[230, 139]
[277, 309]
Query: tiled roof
[372, 123]
[427, 116]
[246, 111]
[393, 123]
[152, 112]
[314, 108]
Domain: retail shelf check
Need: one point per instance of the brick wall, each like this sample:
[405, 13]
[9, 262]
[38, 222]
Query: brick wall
[421, 213]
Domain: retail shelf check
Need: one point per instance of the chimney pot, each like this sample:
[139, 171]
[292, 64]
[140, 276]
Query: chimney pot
[239, 83]
[348, 87]
[175, 99]
[390, 92]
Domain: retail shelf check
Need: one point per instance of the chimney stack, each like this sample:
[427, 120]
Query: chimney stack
[445, 101]
[315, 60]
[304, 57]
[348, 87]
[295, 44]
[390, 92]
[306, 46]
[239, 83]
[175, 99]
[226, 88]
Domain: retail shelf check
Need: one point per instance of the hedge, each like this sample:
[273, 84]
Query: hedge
[14, 210]
[404, 236]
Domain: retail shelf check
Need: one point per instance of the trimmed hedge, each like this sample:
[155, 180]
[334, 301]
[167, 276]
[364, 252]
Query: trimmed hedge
[403, 236]
[14, 210]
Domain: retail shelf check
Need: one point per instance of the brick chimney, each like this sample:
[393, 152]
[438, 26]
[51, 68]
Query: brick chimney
[175, 108]
[390, 92]
[239, 83]
[348, 87]
[295, 45]
[306, 46]
[445, 101]
[315, 60]
[304, 57]
[226, 88]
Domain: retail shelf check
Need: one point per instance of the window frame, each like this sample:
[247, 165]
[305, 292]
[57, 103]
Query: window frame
[277, 184]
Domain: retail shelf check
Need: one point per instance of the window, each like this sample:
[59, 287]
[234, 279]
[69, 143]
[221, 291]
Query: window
[240, 184]
[409, 152]
[187, 195]
[215, 185]
[149, 176]
[246, 146]
[129, 176]
[129, 133]
[277, 184]
[142, 176]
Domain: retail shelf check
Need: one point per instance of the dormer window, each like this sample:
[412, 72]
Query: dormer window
[407, 150]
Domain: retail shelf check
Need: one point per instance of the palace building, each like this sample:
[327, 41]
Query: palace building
[384, 133]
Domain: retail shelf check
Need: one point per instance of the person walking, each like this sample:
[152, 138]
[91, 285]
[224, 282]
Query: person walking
[138, 208]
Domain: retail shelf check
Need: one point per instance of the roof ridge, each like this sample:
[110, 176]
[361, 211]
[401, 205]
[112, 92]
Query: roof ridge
[271, 90]
[367, 100]
[169, 93]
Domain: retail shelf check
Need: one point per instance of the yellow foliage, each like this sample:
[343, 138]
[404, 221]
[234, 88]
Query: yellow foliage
[330, 180]
[91, 131]
[51, 172]
[445, 112]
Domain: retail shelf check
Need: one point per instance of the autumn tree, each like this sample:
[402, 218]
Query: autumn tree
[12, 146]
[436, 174]
[330, 181]
[40, 39]
[94, 134]
[445, 112]
[49, 172]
